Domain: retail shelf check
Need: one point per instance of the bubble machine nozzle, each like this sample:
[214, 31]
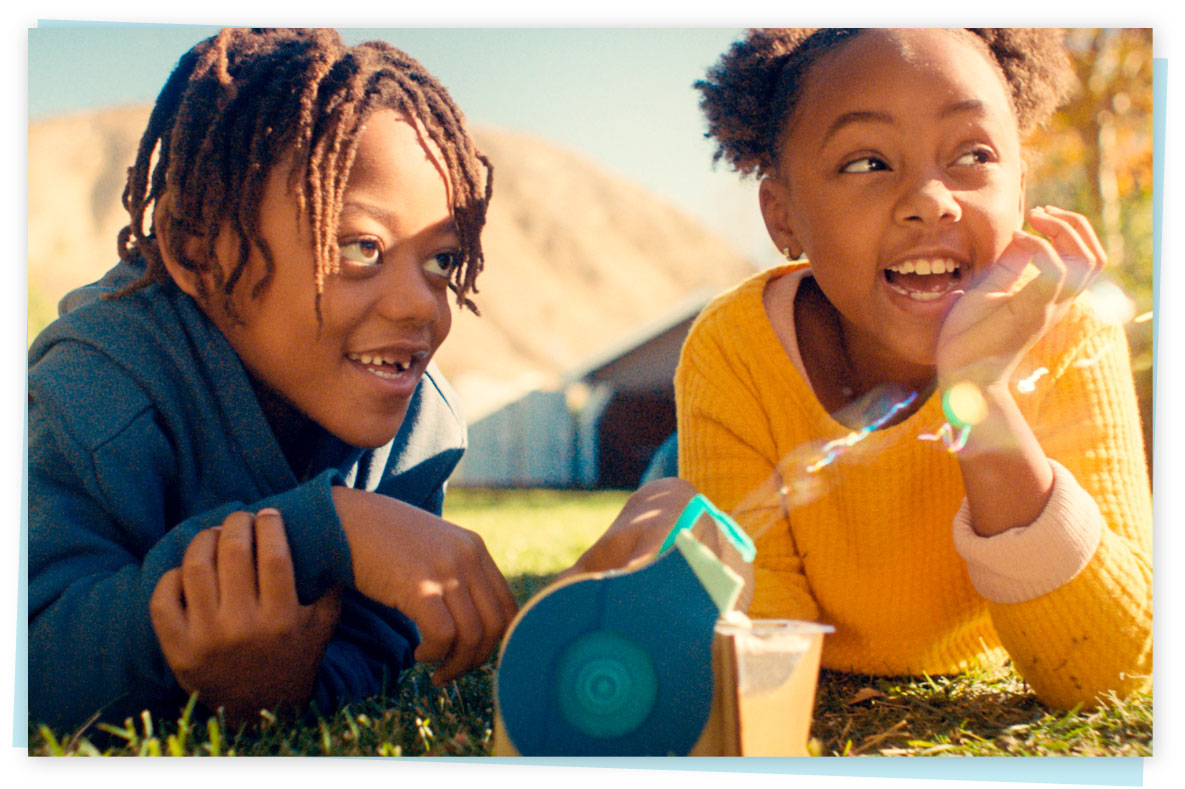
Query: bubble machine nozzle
[653, 661]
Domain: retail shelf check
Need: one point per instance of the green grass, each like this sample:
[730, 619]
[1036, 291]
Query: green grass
[534, 534]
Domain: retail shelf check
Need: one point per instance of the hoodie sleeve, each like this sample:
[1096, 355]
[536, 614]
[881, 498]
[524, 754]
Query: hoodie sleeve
[105, 524]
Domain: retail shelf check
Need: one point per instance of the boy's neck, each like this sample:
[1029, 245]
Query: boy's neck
[293, 430]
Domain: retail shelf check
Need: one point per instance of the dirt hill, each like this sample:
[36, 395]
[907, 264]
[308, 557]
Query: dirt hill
[576, 258]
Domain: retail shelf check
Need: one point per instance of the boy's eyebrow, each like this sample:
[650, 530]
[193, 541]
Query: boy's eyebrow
[384, 216]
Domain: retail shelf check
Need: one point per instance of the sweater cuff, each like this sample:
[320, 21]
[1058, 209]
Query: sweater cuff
[320, 553]
[1026, 562]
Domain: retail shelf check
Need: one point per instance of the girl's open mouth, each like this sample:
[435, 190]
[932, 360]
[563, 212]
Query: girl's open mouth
[925, 279]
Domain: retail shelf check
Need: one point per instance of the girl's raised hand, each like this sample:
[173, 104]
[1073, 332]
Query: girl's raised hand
[990, 327]
[229, 623]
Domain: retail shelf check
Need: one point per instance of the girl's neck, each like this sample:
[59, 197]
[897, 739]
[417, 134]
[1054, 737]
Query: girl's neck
[843, 370]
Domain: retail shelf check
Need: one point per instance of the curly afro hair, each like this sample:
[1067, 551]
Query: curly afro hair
[751, 92]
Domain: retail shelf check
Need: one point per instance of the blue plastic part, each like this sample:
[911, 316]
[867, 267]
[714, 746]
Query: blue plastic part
[556, 675]
[699, 506]
[606, 685]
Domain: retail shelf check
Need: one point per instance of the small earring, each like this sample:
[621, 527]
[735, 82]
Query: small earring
[786, 254]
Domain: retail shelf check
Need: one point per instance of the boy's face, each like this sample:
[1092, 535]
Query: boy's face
[383, 315]
[903, 153]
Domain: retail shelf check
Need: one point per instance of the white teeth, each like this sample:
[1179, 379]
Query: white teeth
[926, 266]
[375, 361]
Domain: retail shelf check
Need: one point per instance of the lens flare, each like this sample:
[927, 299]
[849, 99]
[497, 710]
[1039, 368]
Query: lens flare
[1029, 385]
[964, 404]
[946, 435]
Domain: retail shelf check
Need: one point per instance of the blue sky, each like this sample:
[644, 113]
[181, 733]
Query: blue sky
[621, 97]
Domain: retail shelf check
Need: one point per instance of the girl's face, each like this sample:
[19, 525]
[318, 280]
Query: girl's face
[383, 315]
[901, 179]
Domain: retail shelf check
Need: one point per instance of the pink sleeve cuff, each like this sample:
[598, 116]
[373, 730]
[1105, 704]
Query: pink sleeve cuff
[1029, 561]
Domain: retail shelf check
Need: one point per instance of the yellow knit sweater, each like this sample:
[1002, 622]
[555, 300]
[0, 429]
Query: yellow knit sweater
[865, 542]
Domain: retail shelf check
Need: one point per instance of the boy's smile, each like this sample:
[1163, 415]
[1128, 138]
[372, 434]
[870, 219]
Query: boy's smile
[901, 179]
[383, 314]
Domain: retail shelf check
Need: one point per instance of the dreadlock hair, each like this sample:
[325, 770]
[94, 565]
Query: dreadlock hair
[243, 100]
[750, 95]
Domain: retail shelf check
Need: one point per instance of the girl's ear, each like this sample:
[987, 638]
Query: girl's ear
[774, 196]
[185, 276]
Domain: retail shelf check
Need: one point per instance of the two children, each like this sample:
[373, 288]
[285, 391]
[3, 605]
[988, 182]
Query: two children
[860, 413]
[238, 444]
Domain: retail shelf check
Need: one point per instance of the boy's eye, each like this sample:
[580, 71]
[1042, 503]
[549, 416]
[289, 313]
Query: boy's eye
[363, 252]
[442, 263]
[865, 164]
[974, 157]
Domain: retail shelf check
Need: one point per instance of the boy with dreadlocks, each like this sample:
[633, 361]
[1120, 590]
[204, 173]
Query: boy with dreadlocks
[238, 444]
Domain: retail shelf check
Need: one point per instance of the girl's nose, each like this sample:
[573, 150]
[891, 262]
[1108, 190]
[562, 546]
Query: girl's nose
[927, 201]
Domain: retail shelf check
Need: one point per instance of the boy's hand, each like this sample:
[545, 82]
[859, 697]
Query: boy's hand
[990, 328]
[229, 623]
[438, 574]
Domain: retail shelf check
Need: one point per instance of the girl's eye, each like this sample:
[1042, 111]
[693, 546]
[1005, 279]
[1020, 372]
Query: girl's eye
[865, 164]
[363, 252]
[974, 157]
[442, 263]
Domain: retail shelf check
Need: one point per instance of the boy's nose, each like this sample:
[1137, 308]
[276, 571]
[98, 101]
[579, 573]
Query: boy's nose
[410, 298]
[929, 200]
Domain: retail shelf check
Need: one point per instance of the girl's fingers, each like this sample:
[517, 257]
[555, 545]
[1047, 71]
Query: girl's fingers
[1085, 230]
[1003, 275]
[273, 561]
[236, 560]
[1075, 243]
[199, 576]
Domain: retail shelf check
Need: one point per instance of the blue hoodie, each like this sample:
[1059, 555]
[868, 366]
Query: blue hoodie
[144, 429]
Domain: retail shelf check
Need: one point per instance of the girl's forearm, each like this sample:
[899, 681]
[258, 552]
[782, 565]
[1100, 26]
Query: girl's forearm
[1006, 475]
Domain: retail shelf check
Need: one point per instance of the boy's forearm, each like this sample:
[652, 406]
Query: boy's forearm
[1006, 475]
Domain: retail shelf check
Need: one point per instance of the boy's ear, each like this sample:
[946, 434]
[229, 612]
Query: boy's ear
[185, 277]
[774, 197]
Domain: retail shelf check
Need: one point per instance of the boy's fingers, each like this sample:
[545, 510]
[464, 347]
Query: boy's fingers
[236, 560]
[199, 575]
[467, 638]
[436, 627]
[277, 579]
[502, 595]
[165, 607]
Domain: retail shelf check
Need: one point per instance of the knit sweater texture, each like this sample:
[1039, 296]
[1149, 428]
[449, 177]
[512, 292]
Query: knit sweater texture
[868, 530]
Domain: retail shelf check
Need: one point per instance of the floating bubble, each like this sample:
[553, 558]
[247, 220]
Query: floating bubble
[963, 404]
[1029, 385]
[797, 482]
[1143, 317]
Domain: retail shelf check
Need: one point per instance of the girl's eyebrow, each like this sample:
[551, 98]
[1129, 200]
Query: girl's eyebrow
[856, 116]
[872, 116]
